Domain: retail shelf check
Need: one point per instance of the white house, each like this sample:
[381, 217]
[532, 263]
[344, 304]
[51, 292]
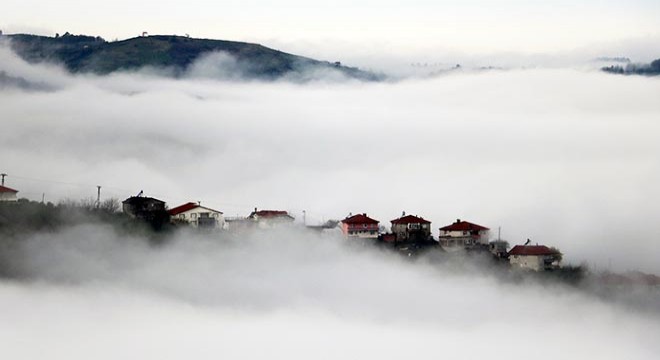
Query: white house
[534, 257]
[266, 219]
[8, 194]
[463, 234]
[197, 216]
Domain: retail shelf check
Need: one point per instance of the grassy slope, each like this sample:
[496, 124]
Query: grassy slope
[89, 54]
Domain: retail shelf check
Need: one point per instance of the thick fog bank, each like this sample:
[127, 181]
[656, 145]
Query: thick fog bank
[287, 294]
[563, 157]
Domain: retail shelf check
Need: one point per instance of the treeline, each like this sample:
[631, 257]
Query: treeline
[24, 217]
[635, 69]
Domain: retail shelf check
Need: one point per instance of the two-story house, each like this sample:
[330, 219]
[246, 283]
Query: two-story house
[359, 226]
[411, 228]
[197, 215]
[463, 234]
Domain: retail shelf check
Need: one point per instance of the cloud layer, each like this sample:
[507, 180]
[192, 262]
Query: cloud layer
[87, 290]
[567, 158]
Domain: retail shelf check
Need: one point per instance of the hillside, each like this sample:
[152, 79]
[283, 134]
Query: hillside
[88, 54]
[651, 69]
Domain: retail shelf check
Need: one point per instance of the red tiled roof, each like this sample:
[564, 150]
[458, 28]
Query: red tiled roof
[534, 250]
[6, 189]
[270, 213]
[182, 208]
[410, 219]
[463, 226]
[185, 207]
[359, 219]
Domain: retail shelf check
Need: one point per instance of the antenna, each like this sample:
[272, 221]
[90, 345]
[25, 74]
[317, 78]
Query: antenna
[98, 196]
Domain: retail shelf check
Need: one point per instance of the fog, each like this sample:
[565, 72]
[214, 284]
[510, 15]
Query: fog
[566, 157]
[286, 294]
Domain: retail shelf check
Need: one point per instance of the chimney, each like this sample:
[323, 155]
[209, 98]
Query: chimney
[255, 209]
[403, 213]
[458, 220]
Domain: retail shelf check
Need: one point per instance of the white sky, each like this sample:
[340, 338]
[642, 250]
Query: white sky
[471, 26]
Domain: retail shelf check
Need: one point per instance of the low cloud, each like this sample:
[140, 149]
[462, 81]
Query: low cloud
[540, 153]
[287, 294]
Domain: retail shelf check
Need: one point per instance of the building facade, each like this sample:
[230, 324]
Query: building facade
[411, 228]
[8, 194]
[359, 226]
[463, 234]
[197, 216]
[266, 219]
[534, 257]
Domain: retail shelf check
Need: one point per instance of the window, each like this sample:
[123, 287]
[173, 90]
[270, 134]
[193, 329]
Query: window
[193, 216]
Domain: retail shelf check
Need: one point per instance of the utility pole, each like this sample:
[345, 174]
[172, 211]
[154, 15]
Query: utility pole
[3, 178]
[98, 196]
[304, 218]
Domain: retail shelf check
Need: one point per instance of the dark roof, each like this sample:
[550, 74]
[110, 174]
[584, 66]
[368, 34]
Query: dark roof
[359, 219]
[141, 199]
[270, 214]
[4, 189]
[533, 250]
[463, 226]
[188, 206]
[410, 219]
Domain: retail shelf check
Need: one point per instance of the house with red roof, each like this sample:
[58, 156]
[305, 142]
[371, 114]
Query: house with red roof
[8, 194]
[266, 219]
[534, 257]
[196, 215]
[359, 226]
[462, 235]
[411, 228]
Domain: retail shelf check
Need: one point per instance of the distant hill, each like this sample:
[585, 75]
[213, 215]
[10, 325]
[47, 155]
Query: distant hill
[635, 69]
[88, 54]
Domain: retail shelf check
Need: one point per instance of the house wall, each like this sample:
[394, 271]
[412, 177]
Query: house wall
[403, 231]
[8, 196]
[484, 235]
[363, 231]
[526, 262]
[191, 216]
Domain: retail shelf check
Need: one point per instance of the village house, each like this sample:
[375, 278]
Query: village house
[148, 209]
[534, 257]
[266, 219]
[8, 194]
[359, 226]
[410, 228]
[197, 216]
[463, 235]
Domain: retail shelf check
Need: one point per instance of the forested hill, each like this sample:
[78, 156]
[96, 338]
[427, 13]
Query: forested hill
[88, 54]
[652, 69]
